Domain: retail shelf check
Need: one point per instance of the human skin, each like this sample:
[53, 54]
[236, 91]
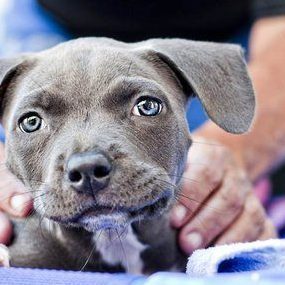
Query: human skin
[217, 204]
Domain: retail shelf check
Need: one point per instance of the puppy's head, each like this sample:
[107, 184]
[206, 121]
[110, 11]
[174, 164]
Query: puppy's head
[96, 128]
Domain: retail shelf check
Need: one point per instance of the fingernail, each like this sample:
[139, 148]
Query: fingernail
[4, 256]
[179, 213]
[194, 240]
[5, 229]
[3, 223]
[20, 202]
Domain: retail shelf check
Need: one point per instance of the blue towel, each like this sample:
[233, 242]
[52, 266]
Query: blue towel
[21, 276]
[239, 257]
[18, 276]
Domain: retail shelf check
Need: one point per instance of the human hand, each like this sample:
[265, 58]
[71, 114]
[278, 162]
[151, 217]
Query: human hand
[217, 204]
[14, 199]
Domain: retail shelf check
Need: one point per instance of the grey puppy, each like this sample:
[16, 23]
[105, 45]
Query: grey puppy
[96, 131]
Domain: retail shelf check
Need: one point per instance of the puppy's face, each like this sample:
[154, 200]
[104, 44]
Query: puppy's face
[96, 130]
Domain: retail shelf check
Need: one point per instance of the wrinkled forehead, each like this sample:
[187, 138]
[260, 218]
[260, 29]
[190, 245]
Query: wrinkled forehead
[84, 78]
[76, 74]
[80, 70]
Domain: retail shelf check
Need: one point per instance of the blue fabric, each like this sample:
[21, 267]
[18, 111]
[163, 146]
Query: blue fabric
[243, 262]
[26, 27]
[238, 257]
[2, 136]
[18, 276]
[259, 259]
[196, 116]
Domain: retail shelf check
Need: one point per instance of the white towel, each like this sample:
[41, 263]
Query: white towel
[238, 257]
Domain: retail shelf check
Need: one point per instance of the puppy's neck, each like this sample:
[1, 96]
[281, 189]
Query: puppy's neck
[133, 249]
[116, 247]
[121, 247]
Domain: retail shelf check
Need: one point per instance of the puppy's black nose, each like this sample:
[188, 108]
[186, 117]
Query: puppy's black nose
[89, 172]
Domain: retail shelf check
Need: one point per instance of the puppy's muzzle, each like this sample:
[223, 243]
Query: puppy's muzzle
[89, 172]
[94, 175]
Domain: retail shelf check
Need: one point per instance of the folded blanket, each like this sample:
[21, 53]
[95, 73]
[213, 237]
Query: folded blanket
[239, 257]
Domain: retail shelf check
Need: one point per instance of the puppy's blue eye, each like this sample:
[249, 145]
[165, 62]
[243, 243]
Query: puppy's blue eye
[30, 123]
[147, 107]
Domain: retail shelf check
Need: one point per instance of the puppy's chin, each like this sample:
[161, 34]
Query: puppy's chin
[104, 222]
[98, 218]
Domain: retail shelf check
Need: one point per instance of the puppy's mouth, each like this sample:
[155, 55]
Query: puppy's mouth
[100, 217]
[149, 210]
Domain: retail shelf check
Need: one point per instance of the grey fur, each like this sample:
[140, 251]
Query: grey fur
[84, 90]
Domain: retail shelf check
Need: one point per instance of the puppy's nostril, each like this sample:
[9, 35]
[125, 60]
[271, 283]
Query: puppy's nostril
[101, 171]
[88, 172]
[74, 176]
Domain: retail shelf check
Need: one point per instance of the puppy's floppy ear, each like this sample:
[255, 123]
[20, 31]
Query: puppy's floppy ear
[216, 73]
[8, 69]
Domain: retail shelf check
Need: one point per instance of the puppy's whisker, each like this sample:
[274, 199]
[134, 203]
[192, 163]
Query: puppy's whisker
[192, 212]
[111, 239]
[208, 189]
[39, 196]
[34, 180]
[189, 198]
[207, 143]
[41, 228]
[186, 178]
[123, 250]
[12, 179]
[42, 207]
[120, 235]
[91, 252]
[88, 257]
[18, 194]
[202, 203]
[31, 212]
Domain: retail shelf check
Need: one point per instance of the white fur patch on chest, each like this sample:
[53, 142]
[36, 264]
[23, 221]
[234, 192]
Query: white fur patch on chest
[122, 248]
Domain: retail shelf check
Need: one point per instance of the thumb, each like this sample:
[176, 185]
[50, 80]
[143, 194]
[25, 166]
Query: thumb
[14, 198]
